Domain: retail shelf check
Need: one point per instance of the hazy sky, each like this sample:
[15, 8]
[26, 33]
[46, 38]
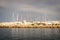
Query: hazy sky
[30, 10]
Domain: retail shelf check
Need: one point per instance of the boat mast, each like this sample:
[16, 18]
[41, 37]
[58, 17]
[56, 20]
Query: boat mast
[13, 18]
[45, 17]
[17, 17]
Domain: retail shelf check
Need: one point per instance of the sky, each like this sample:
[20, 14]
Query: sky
[30, 10]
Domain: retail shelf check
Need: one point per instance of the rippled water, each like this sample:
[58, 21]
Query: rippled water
[29, 33]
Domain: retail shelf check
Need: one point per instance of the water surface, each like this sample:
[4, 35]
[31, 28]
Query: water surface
[29, 33]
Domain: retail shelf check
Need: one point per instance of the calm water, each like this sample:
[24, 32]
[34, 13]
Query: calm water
[29, 33]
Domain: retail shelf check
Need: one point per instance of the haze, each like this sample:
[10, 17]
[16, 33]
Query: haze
[30, 10]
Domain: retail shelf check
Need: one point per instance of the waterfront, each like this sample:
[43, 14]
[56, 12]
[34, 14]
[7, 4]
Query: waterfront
[29, 33]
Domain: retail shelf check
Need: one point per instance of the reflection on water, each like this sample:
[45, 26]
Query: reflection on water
[29, 33]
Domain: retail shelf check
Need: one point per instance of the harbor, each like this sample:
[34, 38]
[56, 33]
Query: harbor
[29, 19]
